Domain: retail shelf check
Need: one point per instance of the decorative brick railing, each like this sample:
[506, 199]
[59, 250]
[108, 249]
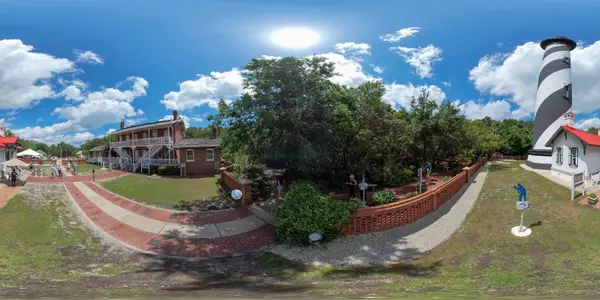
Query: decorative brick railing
[232, 183]
[388, 216]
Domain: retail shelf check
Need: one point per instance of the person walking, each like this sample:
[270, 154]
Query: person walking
[53, 171]
[60, 174]
[31, 165]
[68, 166]
[428, 167]
[13, 177]
[352, 186]
[75, 168]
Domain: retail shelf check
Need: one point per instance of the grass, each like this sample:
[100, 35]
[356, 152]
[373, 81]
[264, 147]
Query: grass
[164, 192]
[85, 169]
[42, 243]
[560, 257]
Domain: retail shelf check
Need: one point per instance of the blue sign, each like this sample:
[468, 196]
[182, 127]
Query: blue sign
[145, 164]
[522, 192]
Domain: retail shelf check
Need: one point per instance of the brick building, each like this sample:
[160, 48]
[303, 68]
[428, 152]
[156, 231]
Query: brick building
[199, 157]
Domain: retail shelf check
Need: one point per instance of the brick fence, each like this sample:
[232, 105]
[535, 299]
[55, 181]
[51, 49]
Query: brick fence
[232, 183]
[388, 216]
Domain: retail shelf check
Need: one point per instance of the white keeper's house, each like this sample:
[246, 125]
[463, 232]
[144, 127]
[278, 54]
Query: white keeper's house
[574, 151]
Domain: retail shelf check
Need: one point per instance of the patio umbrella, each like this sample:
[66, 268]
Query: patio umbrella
[15, 163]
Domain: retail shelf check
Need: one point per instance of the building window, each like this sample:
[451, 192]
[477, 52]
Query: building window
[559, 156]
[567, 60]
[189, 155]
[154, 133]
[210, 154]
[144, 135]
[566, 94]
[574, 157]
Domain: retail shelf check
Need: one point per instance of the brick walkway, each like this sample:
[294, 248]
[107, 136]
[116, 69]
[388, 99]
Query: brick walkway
[162, 243]
[7, 193]
[181, 217]
[78, 178]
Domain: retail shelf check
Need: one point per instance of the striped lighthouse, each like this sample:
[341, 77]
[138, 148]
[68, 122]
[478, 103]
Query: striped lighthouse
[554, 98]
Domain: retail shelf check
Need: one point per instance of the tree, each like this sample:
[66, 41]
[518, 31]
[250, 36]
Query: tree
[593, 130]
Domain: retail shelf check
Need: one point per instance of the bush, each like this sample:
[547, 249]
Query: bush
[391, 176]
[384, 197]
[304, 210]
[592, 195]
[168, 170]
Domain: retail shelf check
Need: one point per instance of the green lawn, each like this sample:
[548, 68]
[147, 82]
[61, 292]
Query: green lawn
[85, 169]
[164, 192]
[42, 243]
[560, 257]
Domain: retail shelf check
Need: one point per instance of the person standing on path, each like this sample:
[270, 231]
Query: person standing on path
[279, 188]
[13, 177]
[352, 186]
[53, 170]
[68, 166]
[31, 165]
[60, 174]
[75, 168]
[428, 167]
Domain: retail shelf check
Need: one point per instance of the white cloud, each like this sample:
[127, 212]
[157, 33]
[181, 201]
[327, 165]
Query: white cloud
[588, 123]
[349, 71]
[134, 121]
[377, 69]
[25, 75]
[421, 59]
[515, 75]
[197, 119]
[497, 110]
[39, 120]
[400, 34]
[98, 108]
[206, 90]
[352, 48]
[402, 94]
[88, 57]
[186, 119]
[446, 83]
[4, 122]
[110, 131]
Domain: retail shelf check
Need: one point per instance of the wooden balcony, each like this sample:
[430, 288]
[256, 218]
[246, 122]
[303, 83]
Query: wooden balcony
[165, 140]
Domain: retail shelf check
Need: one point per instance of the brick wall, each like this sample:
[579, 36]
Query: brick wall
[388, 216]
[200, 166]
[232, 183]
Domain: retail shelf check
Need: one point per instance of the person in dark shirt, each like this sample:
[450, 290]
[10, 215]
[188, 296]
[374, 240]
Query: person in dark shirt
[13, 177]
[352, 186]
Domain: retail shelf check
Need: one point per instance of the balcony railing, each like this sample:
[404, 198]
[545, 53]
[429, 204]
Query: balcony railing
[165, 140]
[159, 162]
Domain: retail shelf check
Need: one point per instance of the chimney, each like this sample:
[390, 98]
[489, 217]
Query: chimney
[122, 125]
[175, 115]
[569, 119]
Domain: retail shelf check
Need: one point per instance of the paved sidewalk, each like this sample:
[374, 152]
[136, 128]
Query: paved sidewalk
[78, 178]
[167, 215]
[167, 238]
[7, 193]
[396, 244]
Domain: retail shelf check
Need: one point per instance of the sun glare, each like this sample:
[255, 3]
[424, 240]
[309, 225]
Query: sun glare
[294, 38]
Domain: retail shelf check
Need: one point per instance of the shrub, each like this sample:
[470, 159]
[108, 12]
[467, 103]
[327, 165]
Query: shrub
[304, 210]
[383, 197]
[446, 178]
[168, 170]
[592, 195]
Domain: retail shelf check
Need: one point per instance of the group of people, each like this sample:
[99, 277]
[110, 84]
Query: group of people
[56, 170]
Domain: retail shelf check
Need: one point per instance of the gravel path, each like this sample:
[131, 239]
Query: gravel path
[395, 244]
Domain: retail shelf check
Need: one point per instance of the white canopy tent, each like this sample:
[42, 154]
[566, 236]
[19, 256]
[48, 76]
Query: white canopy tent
[28, 152]
[15, 163]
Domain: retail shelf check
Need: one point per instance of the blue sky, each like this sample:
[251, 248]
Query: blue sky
[481, 55]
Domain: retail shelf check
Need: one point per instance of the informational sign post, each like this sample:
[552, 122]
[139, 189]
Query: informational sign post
[578, 180]
[522, 205]
[420, 180]
[363, 186]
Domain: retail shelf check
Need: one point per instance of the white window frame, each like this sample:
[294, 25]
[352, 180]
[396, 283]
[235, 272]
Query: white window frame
[574, 157]
[187, 155]
[155, 133]
[213, 154]
[559, 156]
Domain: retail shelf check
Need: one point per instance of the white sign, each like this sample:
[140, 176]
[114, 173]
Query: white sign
[578, 179]
[363, 186]
[236, 194]
[522, 205]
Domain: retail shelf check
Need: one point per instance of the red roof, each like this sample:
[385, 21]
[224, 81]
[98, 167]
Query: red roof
[8, 139]
[586, 137]
[2, 145]
[19, 147]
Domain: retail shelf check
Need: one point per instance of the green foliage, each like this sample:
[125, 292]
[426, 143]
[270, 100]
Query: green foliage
[592, 195]
[304, 210]
[383, 197]
[446, 178]
[168, 171]
[593, 130]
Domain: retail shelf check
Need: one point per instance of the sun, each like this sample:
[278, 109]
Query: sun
[294, 38]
